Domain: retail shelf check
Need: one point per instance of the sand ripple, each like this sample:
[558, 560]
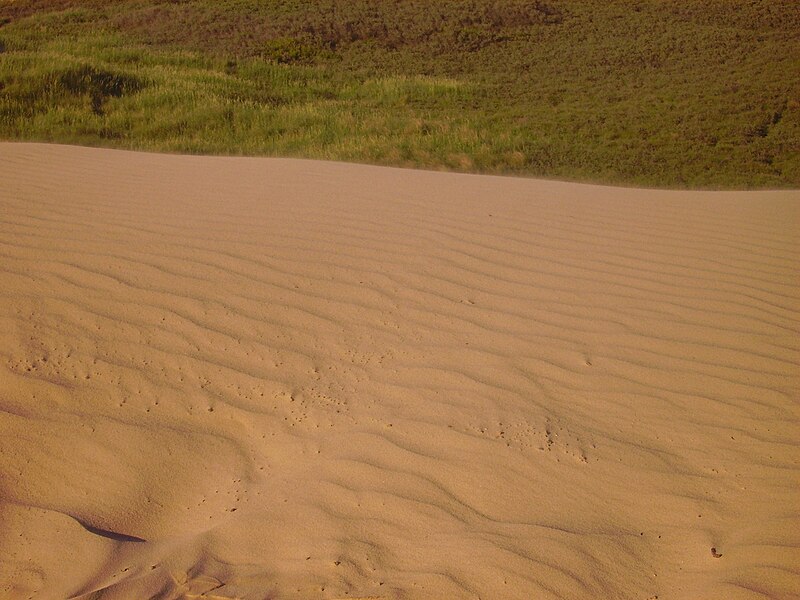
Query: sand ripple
[267, 378]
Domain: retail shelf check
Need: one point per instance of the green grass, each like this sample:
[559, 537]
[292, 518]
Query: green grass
[642, 92]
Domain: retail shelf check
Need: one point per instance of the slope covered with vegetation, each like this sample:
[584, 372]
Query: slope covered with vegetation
[646, 92]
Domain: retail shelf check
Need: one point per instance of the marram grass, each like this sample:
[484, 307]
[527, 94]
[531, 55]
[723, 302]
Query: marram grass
[642, 93]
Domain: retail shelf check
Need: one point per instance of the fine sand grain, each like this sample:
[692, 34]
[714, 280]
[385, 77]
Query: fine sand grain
[267, 378]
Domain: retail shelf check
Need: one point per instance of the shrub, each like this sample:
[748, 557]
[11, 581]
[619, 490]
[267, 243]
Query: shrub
[289, 51]
[99, 84]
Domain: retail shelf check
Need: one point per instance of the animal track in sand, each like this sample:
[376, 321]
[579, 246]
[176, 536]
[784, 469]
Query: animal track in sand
[522, 435]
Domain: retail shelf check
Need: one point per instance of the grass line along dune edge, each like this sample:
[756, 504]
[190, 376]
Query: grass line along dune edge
[651, 94]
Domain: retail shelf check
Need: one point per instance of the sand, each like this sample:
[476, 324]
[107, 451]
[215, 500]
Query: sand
[268, 378]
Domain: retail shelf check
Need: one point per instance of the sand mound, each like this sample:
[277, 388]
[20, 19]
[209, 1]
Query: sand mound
[263, 378]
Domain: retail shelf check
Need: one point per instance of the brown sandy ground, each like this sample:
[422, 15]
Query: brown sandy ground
[264, 378]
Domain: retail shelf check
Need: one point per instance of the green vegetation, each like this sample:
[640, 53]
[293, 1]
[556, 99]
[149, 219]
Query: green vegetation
[700, 93]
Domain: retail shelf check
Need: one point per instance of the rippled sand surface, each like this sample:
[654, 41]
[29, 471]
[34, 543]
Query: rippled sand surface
[267, 378]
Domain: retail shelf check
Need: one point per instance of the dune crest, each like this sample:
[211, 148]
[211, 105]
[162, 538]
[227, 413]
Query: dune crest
[273, 378]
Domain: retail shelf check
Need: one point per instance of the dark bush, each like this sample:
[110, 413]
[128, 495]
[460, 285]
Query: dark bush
[99, 84]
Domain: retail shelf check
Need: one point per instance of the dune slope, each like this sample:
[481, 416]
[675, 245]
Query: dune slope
[266, 378]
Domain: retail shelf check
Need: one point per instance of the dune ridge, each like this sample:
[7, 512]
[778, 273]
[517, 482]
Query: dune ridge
[274, 378]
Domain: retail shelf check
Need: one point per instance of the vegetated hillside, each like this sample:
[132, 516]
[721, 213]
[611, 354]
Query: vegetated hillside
[642, 92]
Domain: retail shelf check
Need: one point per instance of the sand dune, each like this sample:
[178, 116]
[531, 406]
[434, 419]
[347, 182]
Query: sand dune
[266, 378]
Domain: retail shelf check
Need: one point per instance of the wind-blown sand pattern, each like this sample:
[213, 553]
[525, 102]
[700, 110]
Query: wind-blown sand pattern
[267, 378]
